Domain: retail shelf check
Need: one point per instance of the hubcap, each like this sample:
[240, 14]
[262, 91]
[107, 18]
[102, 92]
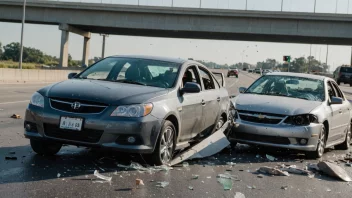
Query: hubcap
[321, 143]
[167, 145]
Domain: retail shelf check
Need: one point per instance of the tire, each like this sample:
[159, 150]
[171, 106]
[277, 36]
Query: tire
[346, 144]
[318, 153]
[165, 145]
[228, 76]
[45, 148]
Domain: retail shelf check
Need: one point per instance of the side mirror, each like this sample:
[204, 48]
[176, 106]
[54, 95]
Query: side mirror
[71, 75]
[242, 89]
[190, 87]
[336, 100]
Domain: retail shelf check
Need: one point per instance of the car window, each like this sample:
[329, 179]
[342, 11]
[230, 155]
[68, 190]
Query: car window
[145, 72]
[191, 75]
[207, 79]
[289, 86]
[331, 90]
[338, 91]
[346, 69]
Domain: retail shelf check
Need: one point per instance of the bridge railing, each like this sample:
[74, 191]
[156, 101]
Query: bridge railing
[310, 6]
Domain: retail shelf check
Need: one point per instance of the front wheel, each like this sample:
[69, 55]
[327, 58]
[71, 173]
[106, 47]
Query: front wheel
[318, 153]
[45, 148]
[165, 145]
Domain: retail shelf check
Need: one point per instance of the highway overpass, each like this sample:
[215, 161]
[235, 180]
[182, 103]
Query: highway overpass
[86, 18]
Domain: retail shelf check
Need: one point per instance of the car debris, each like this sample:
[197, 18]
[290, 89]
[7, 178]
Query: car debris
[100, 176]
[185, 164]
[271, 158]
[142, 169]
[226, 183]
[272, 171]
[313, 167]
[195, 176]
[190, 187]
[16, 116]
[239, 195]
[334, 170]
[10, 158]
[207, 147]
[294, 170]
[284, 187]
[58, 175]
[162, 184]
[139, 182]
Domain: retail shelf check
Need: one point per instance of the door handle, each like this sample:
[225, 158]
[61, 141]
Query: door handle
[218, 99]
[340, 111]
[203, 103]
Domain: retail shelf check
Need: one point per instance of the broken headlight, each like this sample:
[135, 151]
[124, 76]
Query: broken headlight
[233, 111]
[302, 120]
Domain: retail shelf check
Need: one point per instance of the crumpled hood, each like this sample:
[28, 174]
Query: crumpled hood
[112, 93]
[274, 104]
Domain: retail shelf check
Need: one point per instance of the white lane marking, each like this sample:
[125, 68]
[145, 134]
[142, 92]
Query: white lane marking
[3, 103]
[234, 83]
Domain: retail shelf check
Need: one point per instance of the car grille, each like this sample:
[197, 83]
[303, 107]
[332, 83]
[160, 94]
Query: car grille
[86, 135]
[258, 117]
[85, 106]
[262, 138]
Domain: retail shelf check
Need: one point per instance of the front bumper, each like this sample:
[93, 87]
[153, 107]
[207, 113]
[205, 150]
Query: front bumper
[276, 135]
[99, 130]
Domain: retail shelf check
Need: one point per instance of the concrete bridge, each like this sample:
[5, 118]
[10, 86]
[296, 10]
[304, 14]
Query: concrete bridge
[87, 18]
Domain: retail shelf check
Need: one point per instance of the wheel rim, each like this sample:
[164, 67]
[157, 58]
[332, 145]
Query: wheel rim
[167, 145]
[321, 143]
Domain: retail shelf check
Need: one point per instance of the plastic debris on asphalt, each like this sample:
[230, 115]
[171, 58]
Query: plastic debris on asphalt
[16, 116]
[142, 169]
[162, 184]
[190, 187]
[195, 176]
[58, 175]
[313, 167]
[334, 170]
[100, 176]
[226, 180]
[231, 163]
[294, 170]
[185, 164]
[284, 187]
[207, 147]
[139, 182]
[239, 195]
[272, 171]
[271, 158]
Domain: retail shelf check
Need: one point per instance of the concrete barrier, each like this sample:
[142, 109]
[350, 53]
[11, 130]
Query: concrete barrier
[33, 75]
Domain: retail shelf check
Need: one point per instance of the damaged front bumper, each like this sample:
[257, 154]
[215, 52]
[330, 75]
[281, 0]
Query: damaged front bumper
[282, 135]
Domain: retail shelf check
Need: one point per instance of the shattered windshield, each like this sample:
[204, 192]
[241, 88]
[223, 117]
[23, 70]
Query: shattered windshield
[134, 71]
[289, 86]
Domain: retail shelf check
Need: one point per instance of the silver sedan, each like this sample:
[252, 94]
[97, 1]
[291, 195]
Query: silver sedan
[295, 111]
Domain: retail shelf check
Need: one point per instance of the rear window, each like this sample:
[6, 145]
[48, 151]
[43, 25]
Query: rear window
[346, 69]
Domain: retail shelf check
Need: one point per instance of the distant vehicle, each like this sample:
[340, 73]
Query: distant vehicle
[244, 69]
[250, 70]
[232, 72]
[294, 111]
[257, 71]
[135, 104]
[343, 75]
[266, 71]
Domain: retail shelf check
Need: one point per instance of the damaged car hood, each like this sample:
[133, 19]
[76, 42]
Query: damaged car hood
[112, 93]
[274, 104]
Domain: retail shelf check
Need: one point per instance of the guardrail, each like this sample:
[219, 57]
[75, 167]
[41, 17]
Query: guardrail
[309, 6]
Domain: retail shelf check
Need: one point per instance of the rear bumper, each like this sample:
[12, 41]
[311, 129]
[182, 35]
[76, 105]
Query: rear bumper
[344, 80]
[98, 130]
[279, 135]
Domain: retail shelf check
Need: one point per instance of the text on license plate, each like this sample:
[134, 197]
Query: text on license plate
[71, 123]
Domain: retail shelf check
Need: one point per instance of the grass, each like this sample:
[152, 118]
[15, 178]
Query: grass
[15, 65]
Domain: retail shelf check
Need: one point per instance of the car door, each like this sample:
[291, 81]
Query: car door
[191, 108]
[345, 108]
[337, 117]
[211, 99]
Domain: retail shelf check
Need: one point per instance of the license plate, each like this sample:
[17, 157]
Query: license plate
[71, 123]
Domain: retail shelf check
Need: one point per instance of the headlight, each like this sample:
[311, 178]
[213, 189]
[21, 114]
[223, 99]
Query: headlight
[302, 120]
[139, 110]
[37, 100]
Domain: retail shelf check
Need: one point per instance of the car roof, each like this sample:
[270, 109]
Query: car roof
[158, 58]
[311, 76]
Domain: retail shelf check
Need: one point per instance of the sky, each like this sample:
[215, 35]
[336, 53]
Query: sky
[47, 38]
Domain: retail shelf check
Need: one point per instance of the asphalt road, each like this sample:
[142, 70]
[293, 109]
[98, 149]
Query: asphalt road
[37, 176]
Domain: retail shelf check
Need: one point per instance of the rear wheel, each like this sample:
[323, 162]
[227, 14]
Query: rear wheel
[165, 146]
[45, 148]
[346, 144]
[318, 153]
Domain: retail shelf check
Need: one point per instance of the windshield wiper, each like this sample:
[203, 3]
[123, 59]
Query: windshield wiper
[130, 82]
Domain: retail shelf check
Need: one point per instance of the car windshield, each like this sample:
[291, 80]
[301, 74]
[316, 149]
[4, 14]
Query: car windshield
[289, 86]
[134, 71]
[346, 69]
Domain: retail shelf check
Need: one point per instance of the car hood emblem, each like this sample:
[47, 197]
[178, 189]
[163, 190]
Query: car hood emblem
[76, 105]
[261, 116]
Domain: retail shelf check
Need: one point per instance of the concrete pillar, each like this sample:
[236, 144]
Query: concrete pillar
[86, 48]
[64, 48]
